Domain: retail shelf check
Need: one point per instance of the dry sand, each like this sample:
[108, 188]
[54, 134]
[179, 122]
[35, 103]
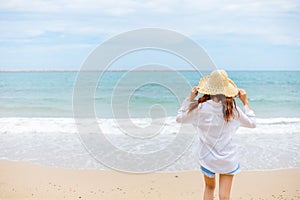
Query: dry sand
[19, 180]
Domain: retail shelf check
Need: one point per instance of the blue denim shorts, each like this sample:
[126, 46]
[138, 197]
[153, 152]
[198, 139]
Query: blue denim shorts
[211, 174]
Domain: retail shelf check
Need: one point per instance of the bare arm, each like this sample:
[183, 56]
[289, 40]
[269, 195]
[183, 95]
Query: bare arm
[247, 118]
[243, 97]
[193, 94]
[183, 115]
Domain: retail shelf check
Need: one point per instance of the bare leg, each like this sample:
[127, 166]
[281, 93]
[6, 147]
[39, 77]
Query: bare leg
[225, 183]
[210, 185]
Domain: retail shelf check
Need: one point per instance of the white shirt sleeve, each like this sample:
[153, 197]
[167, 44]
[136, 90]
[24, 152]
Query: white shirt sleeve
[183, 115]
[247, 117]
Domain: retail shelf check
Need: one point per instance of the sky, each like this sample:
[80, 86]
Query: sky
[237, 35]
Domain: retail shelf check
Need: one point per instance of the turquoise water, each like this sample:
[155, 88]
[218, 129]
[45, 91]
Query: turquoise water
[49, 94]
[36, 123]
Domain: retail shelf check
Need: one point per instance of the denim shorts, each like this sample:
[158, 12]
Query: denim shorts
[211, 174]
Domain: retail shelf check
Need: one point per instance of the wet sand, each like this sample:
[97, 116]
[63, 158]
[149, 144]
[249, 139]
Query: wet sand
[20, 180]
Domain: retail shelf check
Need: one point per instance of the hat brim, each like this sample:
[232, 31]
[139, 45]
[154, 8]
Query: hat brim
[229, 89]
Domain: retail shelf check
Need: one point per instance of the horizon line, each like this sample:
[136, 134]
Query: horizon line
[126, 70]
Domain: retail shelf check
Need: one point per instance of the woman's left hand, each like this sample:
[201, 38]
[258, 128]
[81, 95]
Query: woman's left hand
[193, 94]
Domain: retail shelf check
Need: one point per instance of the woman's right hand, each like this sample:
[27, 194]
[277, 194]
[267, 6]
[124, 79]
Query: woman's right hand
[243, 96]
[193, 94]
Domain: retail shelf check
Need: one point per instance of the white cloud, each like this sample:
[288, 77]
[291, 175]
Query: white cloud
[273, 22]
[208, 19]
[52, 27]
[112, 7]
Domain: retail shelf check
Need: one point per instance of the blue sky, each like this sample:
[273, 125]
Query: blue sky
[238, 35]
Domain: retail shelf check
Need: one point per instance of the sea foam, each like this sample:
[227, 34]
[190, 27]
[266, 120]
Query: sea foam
[273, 144]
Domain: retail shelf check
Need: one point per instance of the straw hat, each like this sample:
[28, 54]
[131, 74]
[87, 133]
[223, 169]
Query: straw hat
[217, 83]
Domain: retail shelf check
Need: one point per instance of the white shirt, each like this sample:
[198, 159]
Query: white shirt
[216, 151]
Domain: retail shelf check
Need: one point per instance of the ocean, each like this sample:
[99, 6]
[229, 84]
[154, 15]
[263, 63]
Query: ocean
[37, 124]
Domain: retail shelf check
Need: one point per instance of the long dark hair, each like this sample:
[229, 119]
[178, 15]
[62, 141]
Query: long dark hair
[228, 104]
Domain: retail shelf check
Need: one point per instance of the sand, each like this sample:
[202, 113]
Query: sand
[20, 180]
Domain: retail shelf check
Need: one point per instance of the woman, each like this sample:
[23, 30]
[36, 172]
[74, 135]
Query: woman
[216, 119]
